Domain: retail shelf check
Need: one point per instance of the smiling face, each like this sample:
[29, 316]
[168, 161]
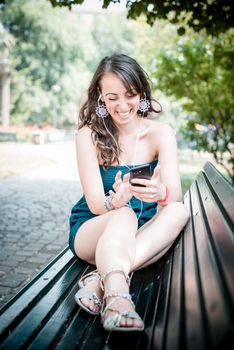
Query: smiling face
[121, 103]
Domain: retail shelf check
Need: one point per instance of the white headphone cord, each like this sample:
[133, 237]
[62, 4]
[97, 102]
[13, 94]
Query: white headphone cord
[134, 156]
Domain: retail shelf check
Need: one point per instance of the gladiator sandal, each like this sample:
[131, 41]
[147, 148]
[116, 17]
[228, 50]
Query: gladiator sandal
[113, 322]
[84, 292]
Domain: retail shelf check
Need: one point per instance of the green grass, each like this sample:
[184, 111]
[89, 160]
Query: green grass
[186, 181]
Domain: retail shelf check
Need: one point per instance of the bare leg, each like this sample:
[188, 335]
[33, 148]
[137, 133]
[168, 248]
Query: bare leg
[117, 245]
[154, 259]
[116, 248]
[106, 234]
[158, 229]
[155, 238]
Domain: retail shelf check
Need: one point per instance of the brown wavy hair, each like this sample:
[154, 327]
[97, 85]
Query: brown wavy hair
[133, 77]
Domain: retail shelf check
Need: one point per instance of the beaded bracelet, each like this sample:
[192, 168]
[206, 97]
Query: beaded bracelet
[108, 203]
[165, 200]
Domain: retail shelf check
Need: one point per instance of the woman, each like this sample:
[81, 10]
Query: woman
[115, 225]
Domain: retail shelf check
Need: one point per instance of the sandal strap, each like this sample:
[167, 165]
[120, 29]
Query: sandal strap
[86, 293]
[113, 321]
[118, 296]
[92, 276]
[114, 270]
[115, 297]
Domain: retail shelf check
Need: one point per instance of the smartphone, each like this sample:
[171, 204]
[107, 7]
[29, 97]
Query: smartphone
[141, 172]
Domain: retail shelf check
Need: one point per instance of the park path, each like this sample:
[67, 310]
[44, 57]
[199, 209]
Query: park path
[35, 205]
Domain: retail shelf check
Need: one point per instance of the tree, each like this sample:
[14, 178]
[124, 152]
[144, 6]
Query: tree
[40, 58]
[43, 56]
[200, 74]
[213, 15]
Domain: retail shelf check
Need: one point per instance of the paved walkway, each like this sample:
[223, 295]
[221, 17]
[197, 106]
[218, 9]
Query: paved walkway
[34, 212]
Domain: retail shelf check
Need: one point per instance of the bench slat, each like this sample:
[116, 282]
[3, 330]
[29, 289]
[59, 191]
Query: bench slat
[222, 189]
[194, 323]
[220, 232]
[42, 308]
[216, 310]
[174, 316]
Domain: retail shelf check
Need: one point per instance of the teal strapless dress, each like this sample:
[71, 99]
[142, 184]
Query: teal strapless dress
[81, 213]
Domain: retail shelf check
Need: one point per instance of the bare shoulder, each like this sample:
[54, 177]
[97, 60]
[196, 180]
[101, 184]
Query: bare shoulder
[160, 130]
[84, 134]
[84, 131]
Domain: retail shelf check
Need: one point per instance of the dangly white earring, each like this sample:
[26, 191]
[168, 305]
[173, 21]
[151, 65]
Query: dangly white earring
[101, 109]
[144, 104]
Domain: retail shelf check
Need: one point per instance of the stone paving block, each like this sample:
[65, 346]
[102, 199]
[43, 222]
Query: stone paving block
[62, 242]
[3, 255]
[24, 253]
[46, 242]
[11, 238]
[5, 268]
[27, 229]
[25, 270]
[20, 244]
[37, 260]
[10, 262]
[35, 246]
[2, 274]
[45, 255]
[10, 251]
[48, 225]
[13, 227]
[18, 258]
[26, 264]
[13, 235]
[53, 248]
[13, 280]
[5, 298]
[50, 235]
[26, 240]
[34, 236]
[8, 245]
[4, 291]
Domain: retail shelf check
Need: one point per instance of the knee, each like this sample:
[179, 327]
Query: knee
[125, 217]
[181, 211]
[126, 212]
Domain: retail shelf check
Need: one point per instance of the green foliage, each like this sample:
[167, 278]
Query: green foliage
[43, 56]
[200, 73]
[67, 3]
[116, 36]
[40, 58]
[213, 15]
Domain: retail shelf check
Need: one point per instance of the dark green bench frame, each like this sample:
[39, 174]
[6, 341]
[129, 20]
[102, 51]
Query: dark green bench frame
[186, 299]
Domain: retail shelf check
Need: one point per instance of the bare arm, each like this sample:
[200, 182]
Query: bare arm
[164, 142]
[89, 172]
[168, 160]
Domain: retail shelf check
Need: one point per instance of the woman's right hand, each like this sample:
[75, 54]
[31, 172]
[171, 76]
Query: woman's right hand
[121, 194]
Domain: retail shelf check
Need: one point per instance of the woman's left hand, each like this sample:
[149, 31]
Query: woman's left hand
[153, 189]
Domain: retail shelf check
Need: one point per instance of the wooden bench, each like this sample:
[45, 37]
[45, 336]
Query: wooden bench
[186, 299]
